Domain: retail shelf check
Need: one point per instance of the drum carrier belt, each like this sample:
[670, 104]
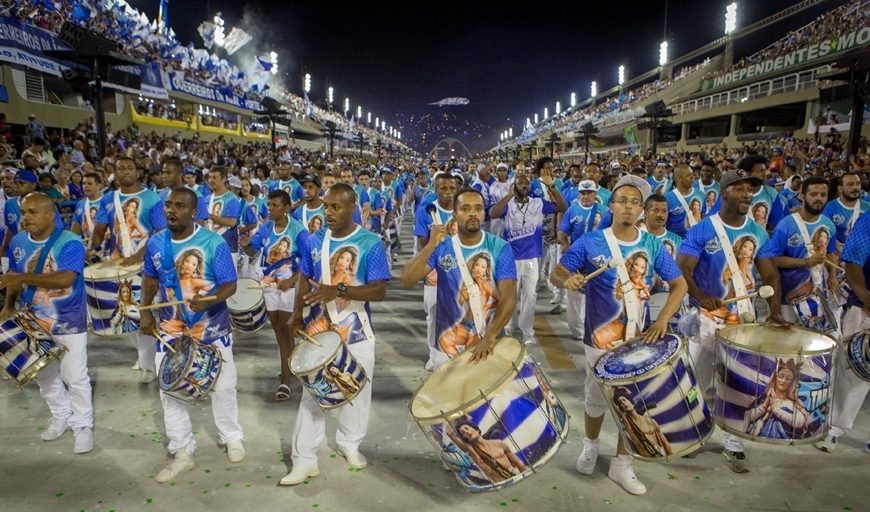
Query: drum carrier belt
[470, 286]
[629, 297]
[743, 305]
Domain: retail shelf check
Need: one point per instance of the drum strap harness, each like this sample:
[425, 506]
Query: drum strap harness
[354, 306]
[856, 212]
[122, 222]
[682, 201]
[470, 286]
[629, 296]
[27, 296]
[743, 306]
[816, 270]
[86, 217]
[170, 279]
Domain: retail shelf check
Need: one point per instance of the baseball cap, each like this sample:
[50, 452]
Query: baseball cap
[587, 186]
[310, 178]
[631, 180]
[502, 166]
[26, 176]
[234, 181]
[190, 170]
[736, 176]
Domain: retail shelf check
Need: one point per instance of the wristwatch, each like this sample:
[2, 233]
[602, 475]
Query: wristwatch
[342, 289]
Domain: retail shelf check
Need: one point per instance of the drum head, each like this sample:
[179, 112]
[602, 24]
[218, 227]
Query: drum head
[245, 299]
[110, 270]
[636, 358]
[307, 356]
[175, 364]
[457, 385]
[764, 339]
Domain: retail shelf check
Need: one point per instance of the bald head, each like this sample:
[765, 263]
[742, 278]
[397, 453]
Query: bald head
[38, 200]
[342, 192]
[37, 215]
[684, 178]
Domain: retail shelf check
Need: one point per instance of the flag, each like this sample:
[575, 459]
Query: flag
[163, 16]
[235, 40]
[352, 118]
[206, 31]
[308, 109]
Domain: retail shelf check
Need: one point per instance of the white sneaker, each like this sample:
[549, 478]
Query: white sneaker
[828, 444]
[55, 429]
[554, 300]
[530, 340]
[355, 460]
[430, 366]
[578, 337]
[136, 366]
[586, 462]
[298, 475]
[148, 376]
[183, 462]
[84, 439]
[622, 473]
[235, 451]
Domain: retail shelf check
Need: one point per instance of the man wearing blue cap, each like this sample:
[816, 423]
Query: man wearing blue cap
[25, 183]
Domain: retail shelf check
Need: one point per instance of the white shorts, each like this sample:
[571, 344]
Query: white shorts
[277, 300]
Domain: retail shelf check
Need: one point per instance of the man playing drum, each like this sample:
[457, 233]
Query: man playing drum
[188, 262]
[131, 215]
[346, 267]
[616, 312]
[83, 221]
[283, 240]
[718, 259]
[476, 288]
[849, 389]
[55, 294]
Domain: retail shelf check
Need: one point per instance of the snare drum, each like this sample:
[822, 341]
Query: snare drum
[654, 396]
[113, 297]
[25, 349]
[493, 423]
[774, 384]
[247, 307]
[857, 351]
[190, 372]
[330, 373]
[814, 313]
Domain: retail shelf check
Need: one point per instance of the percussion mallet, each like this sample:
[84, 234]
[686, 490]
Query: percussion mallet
[309, 338]
[834, 265]
[206, 298]
[432, 210]
[161, 340]
[763, 292]
[613, 263]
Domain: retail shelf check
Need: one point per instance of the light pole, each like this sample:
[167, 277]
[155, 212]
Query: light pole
[329, 98]
[273, 57]
[306, 84]
[621, 75]
[594, 89]
[573, 99]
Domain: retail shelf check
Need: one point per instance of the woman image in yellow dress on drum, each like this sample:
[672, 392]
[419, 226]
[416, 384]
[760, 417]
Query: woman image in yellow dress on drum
[614, 332]
[344, 381]
[779, 413]
[463, 334]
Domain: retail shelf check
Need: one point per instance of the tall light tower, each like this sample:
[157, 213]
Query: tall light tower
[621, 75]
[730, 27]
[369, 120]
[219, 36]
[346, 106]
[536, 118]
[594, 89]
[306, 84]
[573, 99]
[558, 108]
[545, 113]
[274, 58]
[663, 53]
[359, 113]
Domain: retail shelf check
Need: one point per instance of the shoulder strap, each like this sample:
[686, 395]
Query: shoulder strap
[470, 286]
[856, 212]
[27, 296]
[745, 305]
[127, 244]
[816, 270]
[629, 297]
[682, 201]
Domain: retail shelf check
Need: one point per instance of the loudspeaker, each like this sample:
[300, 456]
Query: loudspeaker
[124, 79]
[84, 40]
[271, 104]
[657, 107]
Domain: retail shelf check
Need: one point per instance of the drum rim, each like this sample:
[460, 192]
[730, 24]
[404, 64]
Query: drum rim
[313, 370]
[245, 290]
[676, 355]
[32, 372]
[118, 275]
[757, 439]
[452, 414]
[195, 343]
[801, 352]
[847, 351]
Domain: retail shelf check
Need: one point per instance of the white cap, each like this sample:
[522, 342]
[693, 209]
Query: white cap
[631, 180]
[502, 166]
[587, 186]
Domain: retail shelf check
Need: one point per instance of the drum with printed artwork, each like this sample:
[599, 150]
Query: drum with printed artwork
[247, 307]
[814, 313]
[857, 351]
[329, 372]
[25, 349]
[113, 297]
[774, 384]
[654, 396]
[493, 423]
[191, 371]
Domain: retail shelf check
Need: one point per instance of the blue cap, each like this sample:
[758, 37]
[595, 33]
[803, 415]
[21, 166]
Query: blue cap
[26, 176]
[190, 170]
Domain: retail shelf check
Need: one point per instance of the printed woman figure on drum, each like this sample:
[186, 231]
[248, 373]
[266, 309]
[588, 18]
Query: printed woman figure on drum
[125, 318]
[779, 412]
[643, 432]
[344, 381]
[493, 456]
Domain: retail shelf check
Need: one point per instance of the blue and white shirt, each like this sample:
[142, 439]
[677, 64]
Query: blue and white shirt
[282, 251]
[142, 214]
[857, 251]
[578, 220]
[678, 221]
[523, 226]
[225, 205]
[12, 215]
[312, 218]
[842, 216]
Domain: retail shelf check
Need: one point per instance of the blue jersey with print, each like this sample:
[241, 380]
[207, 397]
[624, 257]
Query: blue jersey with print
[423, 221]
[291, 186]
[578, 220]
[489, 261]
[377, 203]
[787, 240]
[12, 211]
[354, 260]
[678, 221]
[201, 205]
[247, 213]
[89, 208]
[420, 193]
[659, 187]
[225, 205]
[604, 196]
[712, 273]
[842, 216]
[288, 244]
[606, 317]
[767, 207]
[142, 214]
[857, 252]
[523, 226]
[672, 242]
[200, 263]
[312, 218]
[58, 310]
[710, 193]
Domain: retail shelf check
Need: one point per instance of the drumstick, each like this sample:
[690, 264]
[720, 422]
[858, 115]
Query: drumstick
[309, 338]
[831, 263]
[161, 340]
[613, 263]
[206, 298]
[763, 292]
[436, 220]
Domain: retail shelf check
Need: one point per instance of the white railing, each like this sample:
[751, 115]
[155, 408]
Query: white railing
[788, 83]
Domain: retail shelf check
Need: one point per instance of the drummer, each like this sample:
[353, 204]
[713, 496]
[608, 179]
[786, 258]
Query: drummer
[188, 262]
[801, 273]
[173, 177]
[850, 391]
[712, 279]
[54, 295]
[224, 208]
[84, 218]
[346, 268]
[282, 239]
[489, 261]
[142, 217]
[311, 212]
[612, 315]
